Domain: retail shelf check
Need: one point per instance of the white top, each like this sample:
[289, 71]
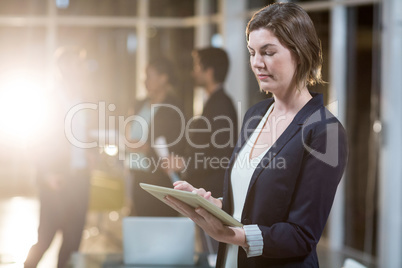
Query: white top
[241, 175]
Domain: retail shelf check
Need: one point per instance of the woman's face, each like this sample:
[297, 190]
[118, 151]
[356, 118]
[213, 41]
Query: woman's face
[273, 64]
[154, 81]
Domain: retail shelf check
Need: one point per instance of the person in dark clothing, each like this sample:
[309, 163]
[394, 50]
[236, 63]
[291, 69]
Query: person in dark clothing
[161, 111]
[212, 136]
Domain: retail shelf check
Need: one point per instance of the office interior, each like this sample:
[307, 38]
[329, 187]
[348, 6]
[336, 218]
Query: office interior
[362, 51]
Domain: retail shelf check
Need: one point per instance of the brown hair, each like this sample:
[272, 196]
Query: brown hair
[295, 30]
[164, 66]
[215, 58]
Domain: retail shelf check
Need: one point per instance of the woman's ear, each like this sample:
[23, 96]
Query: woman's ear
[298, 60]
[295, 55]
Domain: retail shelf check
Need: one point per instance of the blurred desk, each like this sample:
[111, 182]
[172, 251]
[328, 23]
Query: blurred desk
[115, 260]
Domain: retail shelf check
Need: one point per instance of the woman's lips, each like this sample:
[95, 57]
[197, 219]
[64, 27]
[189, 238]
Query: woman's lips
[263, 76]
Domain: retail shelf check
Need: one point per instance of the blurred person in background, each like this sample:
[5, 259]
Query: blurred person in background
[62, 166]
[162, 113]
[212, 137]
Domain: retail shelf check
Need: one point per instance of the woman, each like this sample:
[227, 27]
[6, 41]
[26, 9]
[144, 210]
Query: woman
[162, 114]
[290, 156]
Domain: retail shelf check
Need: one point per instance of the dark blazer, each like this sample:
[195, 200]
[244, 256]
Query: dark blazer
[293, 187]
[203, 170]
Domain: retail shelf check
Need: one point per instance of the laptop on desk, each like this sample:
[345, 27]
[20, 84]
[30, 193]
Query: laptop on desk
[158, 241]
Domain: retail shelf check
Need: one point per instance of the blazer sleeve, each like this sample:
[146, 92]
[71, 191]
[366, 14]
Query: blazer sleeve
[312, 199]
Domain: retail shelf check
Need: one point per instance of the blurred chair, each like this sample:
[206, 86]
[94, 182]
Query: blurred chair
[106, 203]
[351, 263]
[107, 192]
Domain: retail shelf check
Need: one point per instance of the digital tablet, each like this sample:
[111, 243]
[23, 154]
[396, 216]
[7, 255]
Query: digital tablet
[191, 199]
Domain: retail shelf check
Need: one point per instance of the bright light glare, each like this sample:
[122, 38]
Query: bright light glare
[23, 106]
[114, 216]
[111, 150]
[19, 227]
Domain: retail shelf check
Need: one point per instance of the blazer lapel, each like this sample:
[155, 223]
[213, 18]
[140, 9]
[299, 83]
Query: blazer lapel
[247, 131]
[301, 117]
[286, 136]
[244, 136]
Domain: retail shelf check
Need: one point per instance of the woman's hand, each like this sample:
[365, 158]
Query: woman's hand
[185, 186]
[209, 223]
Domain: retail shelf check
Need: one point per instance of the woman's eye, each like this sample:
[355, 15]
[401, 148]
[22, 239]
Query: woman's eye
[269, 53]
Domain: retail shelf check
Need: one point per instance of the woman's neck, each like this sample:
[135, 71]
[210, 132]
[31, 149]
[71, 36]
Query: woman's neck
[292, 102]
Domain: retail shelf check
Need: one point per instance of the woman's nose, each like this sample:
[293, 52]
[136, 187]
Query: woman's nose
[256, 61]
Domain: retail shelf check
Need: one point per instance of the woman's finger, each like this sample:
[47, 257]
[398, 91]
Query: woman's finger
[183, 208]
[172, 205]
[200, 191]
[206, 215]
[184, 186]
[178, 182]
